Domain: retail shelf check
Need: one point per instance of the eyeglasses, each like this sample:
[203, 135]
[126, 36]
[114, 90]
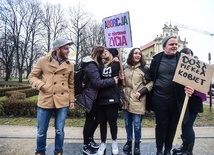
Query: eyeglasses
[172, 44]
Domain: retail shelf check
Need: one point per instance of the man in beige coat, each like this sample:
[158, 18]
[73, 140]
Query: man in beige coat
[53, 76]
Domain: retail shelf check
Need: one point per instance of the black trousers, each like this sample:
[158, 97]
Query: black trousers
[108, 113]
[167, 116]
[91, 123]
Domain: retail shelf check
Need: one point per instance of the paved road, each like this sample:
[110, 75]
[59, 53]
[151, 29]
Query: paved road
[20, 140]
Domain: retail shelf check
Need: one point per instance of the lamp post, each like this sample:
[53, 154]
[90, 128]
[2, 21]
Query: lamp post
[209, 58]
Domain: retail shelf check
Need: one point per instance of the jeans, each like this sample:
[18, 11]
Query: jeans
[130, 121]
[43, 119]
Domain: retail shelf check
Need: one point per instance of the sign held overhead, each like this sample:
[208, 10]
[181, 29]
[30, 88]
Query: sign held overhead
[117, 31]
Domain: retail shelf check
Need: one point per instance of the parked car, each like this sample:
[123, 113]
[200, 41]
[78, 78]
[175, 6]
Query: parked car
[212, 89]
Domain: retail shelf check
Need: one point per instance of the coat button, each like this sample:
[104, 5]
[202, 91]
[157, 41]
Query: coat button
[54, 93]
[54, 82]
[55, 73]
[62, 83]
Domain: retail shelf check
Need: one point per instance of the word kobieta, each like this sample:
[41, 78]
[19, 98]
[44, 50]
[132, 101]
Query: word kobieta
[192, 66]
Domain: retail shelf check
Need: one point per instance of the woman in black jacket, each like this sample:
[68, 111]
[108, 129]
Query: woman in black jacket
[92, 83]
[108, 101]
[195, 106]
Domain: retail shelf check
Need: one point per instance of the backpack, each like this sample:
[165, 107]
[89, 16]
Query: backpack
[78, 79]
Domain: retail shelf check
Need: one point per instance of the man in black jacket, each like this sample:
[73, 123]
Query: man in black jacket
[168, 96]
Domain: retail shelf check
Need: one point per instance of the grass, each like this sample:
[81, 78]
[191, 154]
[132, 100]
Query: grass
[204, 119]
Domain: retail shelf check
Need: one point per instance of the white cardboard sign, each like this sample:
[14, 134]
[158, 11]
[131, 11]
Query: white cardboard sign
[193, 72]
[117, 30]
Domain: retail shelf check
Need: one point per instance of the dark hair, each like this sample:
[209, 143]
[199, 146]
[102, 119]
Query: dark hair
[186, 51]
[130, 56]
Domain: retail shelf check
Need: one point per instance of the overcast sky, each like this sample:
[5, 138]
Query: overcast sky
[148, 18]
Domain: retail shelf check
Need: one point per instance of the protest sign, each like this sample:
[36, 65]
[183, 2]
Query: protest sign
[117, 31]
[194, 73]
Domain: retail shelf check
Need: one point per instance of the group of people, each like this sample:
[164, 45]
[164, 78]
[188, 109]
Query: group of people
[53, 76]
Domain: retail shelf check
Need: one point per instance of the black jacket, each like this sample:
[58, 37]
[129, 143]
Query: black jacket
[93, 83]
[108, 95]
[178, 88]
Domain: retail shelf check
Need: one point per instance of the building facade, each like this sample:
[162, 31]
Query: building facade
[155, 46]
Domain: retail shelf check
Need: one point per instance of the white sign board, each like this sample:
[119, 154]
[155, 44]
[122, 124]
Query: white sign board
[193, 72]
[117, 30]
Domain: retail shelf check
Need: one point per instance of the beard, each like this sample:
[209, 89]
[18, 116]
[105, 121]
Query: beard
[62, 55]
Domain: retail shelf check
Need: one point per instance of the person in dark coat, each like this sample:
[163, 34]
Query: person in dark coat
[108, 101]
[195, 106]
[168, 96]
[87, 100]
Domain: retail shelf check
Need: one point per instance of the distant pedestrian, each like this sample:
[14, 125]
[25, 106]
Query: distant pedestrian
[53, 76]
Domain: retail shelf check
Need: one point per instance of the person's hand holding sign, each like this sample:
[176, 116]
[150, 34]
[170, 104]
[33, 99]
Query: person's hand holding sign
[189, 90]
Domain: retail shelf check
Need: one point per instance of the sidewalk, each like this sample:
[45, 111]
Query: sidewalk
[21, 140]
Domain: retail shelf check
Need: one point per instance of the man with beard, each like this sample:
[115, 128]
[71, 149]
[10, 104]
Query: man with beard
[53, 76]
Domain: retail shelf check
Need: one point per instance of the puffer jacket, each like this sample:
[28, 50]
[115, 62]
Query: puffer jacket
[58, 81]
[93, 83]
[135, 81]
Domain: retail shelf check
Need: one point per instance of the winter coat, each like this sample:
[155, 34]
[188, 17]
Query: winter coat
[135, 81]
[109, 95]
[58, 81]
[93, 82]
[178, 88]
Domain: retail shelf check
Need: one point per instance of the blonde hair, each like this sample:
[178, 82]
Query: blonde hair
[108, 60]
[97, 51]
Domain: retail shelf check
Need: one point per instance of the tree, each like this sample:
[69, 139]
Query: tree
[54, 23]
[7, 53]
[78, 21]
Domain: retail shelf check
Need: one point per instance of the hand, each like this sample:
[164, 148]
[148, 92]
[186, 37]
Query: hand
[137, 95]
[122, 76]
[42, 88]
[71, 106]
[115, 59]
[116, 79]
[189, 90]
[83, 84]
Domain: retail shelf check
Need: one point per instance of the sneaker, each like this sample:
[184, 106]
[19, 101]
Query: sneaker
[102, 149]
[88, 150]
[94, 144]
[114, 147]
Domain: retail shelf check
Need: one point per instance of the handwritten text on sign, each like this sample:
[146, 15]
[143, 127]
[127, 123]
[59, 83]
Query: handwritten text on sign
[118, 31]
[193, 72]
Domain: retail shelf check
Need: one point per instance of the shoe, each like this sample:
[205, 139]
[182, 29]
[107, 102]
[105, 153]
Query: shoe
[102, 149]
[88, 150]
[137, 148]
[159, 152]
[114, 147]
[127, 148]
[94, 144]
[167, 152]
[39, 153]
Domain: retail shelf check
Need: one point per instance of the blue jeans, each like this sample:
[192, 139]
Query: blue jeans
[130, 121]
[43, 119]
